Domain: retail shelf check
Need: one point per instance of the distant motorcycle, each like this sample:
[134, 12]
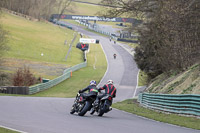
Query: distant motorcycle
[104, 105]
[82, 104]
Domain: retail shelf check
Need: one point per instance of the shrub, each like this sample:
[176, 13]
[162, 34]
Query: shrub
[23, 77]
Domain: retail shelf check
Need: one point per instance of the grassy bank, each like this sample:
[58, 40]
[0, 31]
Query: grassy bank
[95, 70]
[83, 9]
[38, 41]
[187, 82]
[81, 78]
[133, 107]
[143, 78]
[41, 46]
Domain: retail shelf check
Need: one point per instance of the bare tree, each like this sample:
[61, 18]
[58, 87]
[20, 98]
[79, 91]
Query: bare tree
[169, 37]
[40, 9]
[63, 6]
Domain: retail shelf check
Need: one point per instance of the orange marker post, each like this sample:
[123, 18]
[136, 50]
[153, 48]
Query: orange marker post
[71, 74]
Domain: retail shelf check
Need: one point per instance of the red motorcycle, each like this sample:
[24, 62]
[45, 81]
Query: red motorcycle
[104, 105]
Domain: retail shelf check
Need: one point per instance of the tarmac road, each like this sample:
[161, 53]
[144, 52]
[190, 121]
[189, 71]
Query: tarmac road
[122, 70]
[51, 115]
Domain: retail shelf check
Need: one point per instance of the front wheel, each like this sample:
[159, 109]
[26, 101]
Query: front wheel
[85, 108]
[72, 111]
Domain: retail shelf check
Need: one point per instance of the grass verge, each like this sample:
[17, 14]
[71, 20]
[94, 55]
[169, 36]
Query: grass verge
[81, 78]
[133, 107]
[143, 78]
[3, 130]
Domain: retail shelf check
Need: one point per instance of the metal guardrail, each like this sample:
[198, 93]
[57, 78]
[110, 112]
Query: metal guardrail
[89, 26]
[23, 90]
[187, 104]
[51, 83]
[110, 34]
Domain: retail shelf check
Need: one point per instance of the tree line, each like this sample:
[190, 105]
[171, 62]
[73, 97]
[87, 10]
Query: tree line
[39, 9]
[169, 36]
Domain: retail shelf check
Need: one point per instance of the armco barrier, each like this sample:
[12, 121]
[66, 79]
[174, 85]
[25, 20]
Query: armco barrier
[24, 90]
[51, 83]
[187, 104]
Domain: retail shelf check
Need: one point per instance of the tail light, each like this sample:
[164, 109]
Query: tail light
[80, 99]
[110, 98]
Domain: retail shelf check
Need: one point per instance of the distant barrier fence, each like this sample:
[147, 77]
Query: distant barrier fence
[14, 90]
[187, 104]
[96, 29]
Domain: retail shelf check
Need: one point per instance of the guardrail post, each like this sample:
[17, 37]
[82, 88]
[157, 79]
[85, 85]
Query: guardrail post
[71, 73]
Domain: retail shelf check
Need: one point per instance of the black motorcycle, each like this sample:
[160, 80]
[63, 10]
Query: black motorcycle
[82, 103]
[104, 106]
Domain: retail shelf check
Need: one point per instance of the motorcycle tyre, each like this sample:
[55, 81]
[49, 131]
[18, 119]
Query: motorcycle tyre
[100, 110]
[72, 111]
[85, 109]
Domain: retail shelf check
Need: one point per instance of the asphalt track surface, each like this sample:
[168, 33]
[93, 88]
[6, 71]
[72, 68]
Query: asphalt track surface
[51, 115]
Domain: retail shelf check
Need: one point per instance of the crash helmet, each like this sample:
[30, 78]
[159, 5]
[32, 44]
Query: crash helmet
[109, 82]
[92, 82]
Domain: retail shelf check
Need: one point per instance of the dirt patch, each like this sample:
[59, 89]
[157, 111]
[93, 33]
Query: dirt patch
[43, 69]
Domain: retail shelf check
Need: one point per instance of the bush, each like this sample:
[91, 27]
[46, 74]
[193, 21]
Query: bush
[23, 77]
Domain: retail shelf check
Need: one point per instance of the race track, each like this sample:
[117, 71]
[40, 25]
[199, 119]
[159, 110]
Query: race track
[51, 115]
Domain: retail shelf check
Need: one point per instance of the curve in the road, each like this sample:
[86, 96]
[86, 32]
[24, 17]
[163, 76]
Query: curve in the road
[51, 115]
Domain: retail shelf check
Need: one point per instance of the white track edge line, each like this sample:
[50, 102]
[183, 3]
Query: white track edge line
[137, 84]
[12, 129]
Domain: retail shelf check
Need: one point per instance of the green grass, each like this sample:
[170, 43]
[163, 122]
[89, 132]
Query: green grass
[92, 1]
[28, 40]
[84, 9]
[72, 22]
[113, 24]
[133, 45]
[81, 78]
[143, 78]
[3, 130]
[132, 107]
[96, 32]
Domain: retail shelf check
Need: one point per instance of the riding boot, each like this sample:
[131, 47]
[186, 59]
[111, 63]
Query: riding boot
[92, 111]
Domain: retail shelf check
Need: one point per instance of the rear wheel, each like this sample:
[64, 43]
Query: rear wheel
[85, 109]
[100, 111]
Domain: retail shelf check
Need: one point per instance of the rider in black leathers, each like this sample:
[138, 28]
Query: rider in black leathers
[92, 89]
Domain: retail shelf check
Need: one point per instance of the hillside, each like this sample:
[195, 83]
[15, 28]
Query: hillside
[83, 9]
[92, 1]
[187, 82]
[38, 45]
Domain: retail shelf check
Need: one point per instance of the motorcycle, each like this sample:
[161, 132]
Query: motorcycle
[82, 104]
[104, 105]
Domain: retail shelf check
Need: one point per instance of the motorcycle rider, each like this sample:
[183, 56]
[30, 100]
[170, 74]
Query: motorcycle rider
[109, 90]
[92, 89]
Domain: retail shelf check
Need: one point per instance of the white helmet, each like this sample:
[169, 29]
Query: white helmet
[109, 82]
